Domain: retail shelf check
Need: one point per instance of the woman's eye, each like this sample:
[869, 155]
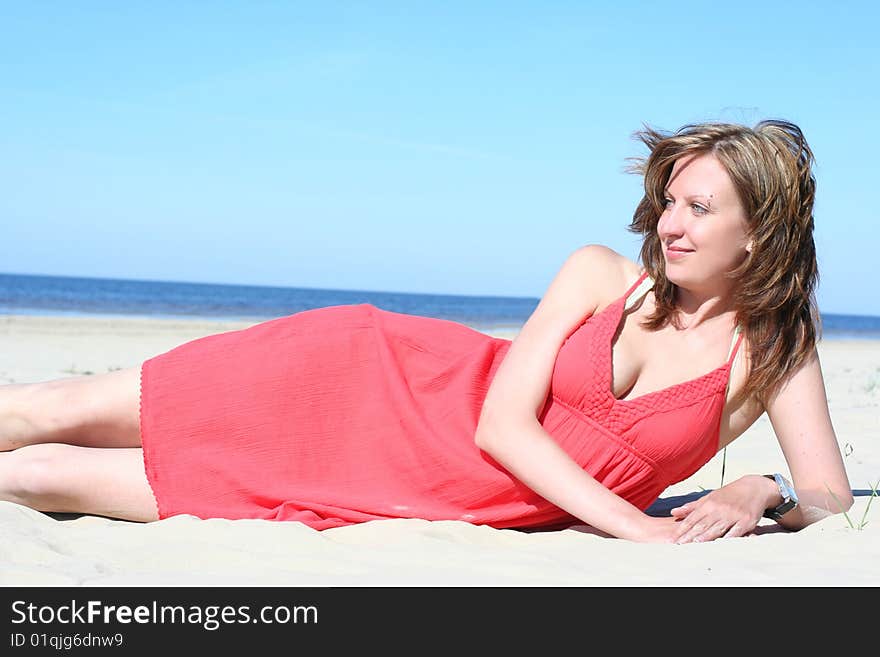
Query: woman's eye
[698, 209]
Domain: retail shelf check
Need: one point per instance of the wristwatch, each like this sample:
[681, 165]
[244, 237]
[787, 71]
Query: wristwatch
[789, 497]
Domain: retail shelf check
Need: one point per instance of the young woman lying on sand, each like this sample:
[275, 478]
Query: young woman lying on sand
[625, 379]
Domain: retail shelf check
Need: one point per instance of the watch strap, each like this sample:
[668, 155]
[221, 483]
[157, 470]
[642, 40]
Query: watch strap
[789, 499]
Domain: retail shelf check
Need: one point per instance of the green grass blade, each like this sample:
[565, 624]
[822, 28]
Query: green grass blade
[840, 506]
[864, 522]
[723, 465]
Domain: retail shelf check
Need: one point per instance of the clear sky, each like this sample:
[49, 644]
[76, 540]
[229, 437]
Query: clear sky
[450, 147]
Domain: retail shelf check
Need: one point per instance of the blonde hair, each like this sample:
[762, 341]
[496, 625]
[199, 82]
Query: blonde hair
[771, 168]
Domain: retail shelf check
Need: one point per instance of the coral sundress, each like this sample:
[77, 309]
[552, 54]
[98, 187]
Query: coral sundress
[346, 414]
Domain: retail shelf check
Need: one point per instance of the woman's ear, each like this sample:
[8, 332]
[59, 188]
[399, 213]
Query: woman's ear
[749, 245]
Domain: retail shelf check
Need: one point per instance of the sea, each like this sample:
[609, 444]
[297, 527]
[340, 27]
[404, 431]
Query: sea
[24, 294]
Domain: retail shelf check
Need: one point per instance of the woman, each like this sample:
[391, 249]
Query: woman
[622, 382]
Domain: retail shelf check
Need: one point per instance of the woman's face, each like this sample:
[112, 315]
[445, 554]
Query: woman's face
[703, 226]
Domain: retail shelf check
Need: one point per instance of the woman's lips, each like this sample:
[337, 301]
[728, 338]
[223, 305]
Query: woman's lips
[676, 253]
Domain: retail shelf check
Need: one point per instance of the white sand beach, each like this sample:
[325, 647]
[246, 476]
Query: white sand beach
[39, 549]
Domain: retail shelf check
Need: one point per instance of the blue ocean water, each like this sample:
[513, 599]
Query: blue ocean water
[61, 295]
[57, 295]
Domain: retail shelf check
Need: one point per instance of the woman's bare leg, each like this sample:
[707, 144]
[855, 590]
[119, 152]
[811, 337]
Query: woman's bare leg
[71, 479]
[73, 445]
[101, 410]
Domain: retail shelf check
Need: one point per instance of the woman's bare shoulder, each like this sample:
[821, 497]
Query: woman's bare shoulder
[614, 272]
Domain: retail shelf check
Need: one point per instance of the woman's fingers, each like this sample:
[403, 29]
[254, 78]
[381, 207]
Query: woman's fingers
[736, 530]
[720, 514]
[714, 531]
[706, 529]
[702, 531]
[691, 527]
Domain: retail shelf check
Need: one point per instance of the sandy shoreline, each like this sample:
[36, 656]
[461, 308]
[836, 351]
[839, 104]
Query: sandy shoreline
[43, 549]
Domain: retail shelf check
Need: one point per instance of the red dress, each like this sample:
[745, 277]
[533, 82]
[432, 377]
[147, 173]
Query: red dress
[345, 414]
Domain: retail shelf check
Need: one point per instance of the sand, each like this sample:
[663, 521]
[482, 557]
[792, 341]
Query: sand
[39, 549]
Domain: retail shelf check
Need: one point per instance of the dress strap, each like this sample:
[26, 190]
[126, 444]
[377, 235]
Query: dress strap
[734, 343]
[637, 290]
[734, 348]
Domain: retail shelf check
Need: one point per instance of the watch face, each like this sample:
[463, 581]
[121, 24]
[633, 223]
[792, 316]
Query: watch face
[789, 497]
[786, 490]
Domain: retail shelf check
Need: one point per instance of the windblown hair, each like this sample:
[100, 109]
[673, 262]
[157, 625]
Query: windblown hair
[774, 292]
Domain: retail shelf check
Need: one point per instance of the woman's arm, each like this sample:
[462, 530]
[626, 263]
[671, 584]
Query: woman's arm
[508, 427]
[528, 452]
[801, 421]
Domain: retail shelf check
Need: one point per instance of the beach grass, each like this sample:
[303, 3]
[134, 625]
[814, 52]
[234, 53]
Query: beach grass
[863, 522]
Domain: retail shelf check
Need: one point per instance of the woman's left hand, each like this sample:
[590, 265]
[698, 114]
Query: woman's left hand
[730, 511]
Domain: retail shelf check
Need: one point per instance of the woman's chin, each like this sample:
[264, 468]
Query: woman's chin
[678, 279]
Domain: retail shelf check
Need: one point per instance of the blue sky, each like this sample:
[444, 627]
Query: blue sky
[449, 147]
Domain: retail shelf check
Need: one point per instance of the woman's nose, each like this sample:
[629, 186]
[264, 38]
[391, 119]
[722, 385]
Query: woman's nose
[670, 223]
